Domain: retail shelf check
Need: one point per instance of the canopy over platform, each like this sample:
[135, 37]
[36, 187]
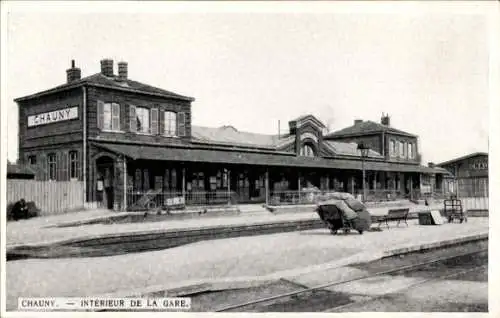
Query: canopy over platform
[277, 159]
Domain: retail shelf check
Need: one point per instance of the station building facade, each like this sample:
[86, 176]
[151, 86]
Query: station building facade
[123, 139]
[469, 174]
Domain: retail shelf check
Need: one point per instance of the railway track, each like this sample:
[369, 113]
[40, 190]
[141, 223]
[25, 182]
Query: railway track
[263, 303]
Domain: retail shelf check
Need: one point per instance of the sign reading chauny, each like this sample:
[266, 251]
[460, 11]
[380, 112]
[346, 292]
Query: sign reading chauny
[53, 116]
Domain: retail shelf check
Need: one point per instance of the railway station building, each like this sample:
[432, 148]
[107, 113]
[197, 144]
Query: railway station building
[469, 173]
[124, 139]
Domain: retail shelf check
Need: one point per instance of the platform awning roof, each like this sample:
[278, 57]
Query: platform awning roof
[143, 152]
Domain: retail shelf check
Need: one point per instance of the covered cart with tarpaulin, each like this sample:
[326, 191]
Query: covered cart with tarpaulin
[341, 211]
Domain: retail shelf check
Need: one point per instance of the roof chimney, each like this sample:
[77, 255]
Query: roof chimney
[430, 164]
[107, 67]
[122, 70]
[385, 120]
[73, 74]
[358, 121]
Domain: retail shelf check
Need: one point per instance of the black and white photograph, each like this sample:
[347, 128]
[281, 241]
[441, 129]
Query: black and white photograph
[248, 157]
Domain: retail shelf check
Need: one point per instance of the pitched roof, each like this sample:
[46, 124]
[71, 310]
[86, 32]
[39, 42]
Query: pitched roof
[366, 127]
[228, 135]
[475, 154]
[114, 82]
[349, 149]
[308, 117]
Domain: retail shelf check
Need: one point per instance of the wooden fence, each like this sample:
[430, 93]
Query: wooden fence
[51, 197]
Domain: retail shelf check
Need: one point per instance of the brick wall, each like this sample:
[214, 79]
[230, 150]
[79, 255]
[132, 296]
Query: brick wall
[62, 163]
[59, 133]
[125, 99]
[397, 139]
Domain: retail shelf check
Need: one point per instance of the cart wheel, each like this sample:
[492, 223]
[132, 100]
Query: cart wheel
[333, 232]
[347, 231]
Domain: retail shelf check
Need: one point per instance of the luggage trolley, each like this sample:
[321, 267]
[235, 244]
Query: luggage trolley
[453, 210]
[336, 219]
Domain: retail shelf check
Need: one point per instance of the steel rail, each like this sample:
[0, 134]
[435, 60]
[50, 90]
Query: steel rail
[399, 269]
[333, 309]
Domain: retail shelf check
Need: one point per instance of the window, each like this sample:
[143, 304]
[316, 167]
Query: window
[146, 180]
[307, 151]
[392, 149]
[32, 160]
[170, 181]
[410, 150]
[143, 123]
[401, 149]
[51, 160]
[405, 149]
[138, 180]
[73, 165]
[158, 182]
[108, 116]
[170, 119]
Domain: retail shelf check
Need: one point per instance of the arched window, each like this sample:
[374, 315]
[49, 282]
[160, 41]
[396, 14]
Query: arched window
[307, 151]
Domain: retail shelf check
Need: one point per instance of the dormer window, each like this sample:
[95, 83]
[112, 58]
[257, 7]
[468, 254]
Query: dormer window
[307, 151]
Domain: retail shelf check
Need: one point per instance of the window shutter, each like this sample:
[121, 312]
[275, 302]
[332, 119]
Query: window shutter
[115, 116]
[133, 119]
[181, 124]
[161, 123]
[100, 114]
[154, 121]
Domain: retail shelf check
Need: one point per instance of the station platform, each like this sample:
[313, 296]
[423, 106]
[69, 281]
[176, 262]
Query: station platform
[46, 230]
[225, 263]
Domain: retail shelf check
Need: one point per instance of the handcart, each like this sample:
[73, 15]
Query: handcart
[146, 201]
[453, 210]
[339, 215]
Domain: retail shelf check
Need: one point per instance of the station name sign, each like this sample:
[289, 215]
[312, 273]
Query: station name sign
[53, 116]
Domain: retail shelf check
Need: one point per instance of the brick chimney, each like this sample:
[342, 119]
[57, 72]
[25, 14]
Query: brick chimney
[122, 70]
[107, 67]
[385, 120]
[73, 74]
[358, 121]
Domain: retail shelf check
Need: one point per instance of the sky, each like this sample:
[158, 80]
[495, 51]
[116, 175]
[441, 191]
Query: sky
[428, 69]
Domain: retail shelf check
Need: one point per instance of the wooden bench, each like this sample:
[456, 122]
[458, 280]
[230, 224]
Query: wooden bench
[395, 215]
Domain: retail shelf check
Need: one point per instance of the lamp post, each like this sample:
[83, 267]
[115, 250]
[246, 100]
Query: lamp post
[364, 153]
